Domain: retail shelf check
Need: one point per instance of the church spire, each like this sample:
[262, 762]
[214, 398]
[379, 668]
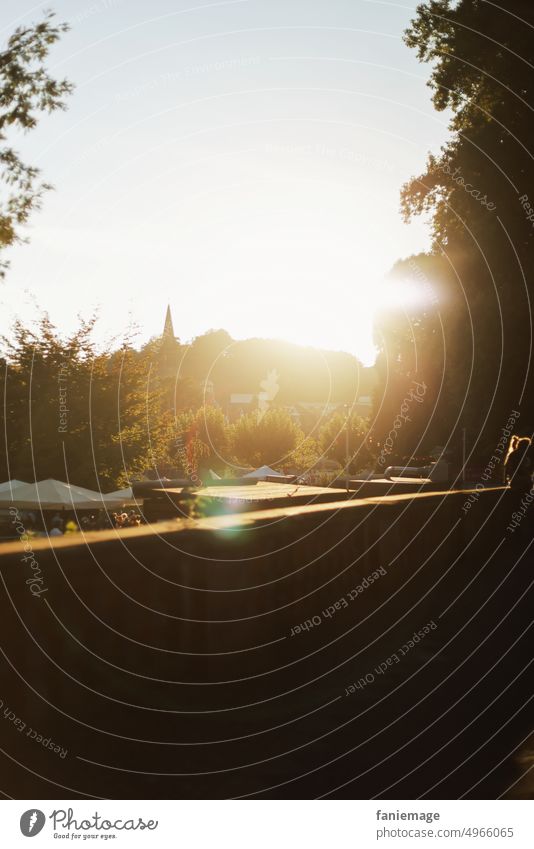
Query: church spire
[168, 330]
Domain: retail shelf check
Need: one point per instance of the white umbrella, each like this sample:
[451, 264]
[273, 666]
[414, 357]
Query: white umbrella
[117, 498]
[10, 486]
[262, 472]
[52, 495]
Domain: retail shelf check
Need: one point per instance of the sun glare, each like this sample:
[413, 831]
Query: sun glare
[402, 294]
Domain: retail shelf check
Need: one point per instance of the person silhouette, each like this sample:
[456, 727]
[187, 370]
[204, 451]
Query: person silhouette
[518, 465]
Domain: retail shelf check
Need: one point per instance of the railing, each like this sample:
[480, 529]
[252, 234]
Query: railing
[148, 633]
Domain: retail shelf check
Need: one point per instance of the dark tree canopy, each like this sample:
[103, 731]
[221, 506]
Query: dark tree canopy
[477, 189]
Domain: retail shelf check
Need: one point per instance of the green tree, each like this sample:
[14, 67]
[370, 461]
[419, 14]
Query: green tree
[266, 440]
[304, 456]
[77, 414]
[204, 356]
[201, 440]
[26, 89]
[332, 439]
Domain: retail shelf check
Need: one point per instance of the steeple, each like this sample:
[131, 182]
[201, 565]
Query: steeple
[168, 349]
[168, 330]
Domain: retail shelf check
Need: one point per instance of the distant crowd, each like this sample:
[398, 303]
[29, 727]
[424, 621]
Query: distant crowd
[69, 523]
[518, 474]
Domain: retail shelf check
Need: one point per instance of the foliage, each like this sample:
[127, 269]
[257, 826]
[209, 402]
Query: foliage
[77, 414]
[26, 89]
[333, 441]
[480, 369]
[266, 440]
[302, 373]
[202, 440]
[304, 456]
[100, 418]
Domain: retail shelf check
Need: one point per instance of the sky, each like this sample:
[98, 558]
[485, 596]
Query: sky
[240, 161]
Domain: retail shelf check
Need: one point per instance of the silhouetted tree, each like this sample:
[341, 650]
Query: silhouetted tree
[478, 189]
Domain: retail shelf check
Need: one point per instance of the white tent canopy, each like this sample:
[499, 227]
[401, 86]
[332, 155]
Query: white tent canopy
[56, 495]
[11, 486]
[262, 472]
[51, 495]
[117, 498]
